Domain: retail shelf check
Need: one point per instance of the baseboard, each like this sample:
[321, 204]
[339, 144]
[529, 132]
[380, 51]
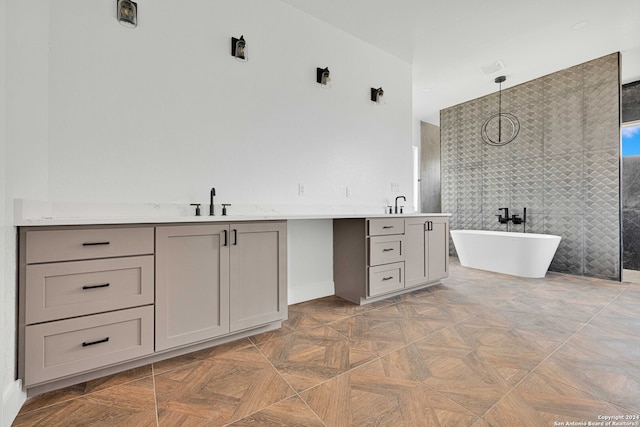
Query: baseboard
[310, 291]
[12, 400]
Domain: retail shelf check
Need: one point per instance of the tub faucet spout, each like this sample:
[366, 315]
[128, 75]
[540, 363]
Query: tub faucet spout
[505, 219]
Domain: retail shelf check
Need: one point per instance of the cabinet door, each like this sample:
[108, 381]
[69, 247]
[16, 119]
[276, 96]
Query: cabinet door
[192, 284]
[416, 252]
[258, 292]
[438, 248]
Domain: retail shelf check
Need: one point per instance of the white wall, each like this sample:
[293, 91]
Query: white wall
[25, 164]
[310, 267]
[163, 112]
[96, 112]
[11, 397]
[7, 326]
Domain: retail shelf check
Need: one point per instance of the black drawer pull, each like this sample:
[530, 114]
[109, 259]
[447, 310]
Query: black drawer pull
[95, 244]
[87, 344]
[387, 249]
[387, 278]
[102, 285]
[225, 238]
[387, 226]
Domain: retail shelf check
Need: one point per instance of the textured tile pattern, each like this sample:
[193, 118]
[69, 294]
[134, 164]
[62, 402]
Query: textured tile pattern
[479, 349]
[564, 166]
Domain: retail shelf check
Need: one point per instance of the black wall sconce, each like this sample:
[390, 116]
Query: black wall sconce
[376, 95]
[239, 49]
[322, 76]
[127, 13]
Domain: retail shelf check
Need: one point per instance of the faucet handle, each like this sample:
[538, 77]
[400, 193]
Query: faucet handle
[224, 208]
[197, 205]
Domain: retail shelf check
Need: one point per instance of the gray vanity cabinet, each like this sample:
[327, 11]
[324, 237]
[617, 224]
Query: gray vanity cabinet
[192, 284]
[438, 247]
[258, 274]
[375, 258]
[426, 249]
[99, 299]
[212, 280]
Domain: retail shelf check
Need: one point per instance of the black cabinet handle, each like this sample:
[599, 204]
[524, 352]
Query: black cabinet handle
[87, 344]
[103, 285]
[225, 237]
[387, 226]
[235, 236]
[95, 244]
[387, 249]
[387, 278]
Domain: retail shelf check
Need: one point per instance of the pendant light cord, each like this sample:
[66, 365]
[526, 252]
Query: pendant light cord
[500, 114]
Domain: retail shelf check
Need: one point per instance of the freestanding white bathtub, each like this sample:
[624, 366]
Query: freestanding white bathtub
[518, 254]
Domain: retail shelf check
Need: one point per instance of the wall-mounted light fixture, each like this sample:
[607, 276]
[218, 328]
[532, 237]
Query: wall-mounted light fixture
[127, 13]
[376, 95]
[239, 49]
[508, 124]
[322, 76]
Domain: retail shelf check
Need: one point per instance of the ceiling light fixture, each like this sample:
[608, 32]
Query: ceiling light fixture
[504, 120]
[579, 25]
[494, 67]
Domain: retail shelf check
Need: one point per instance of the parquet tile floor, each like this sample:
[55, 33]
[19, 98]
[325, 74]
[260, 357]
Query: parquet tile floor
[480, 349]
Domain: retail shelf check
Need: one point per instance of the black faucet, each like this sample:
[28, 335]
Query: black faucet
[213, 193]
[506, 218]
[399, 197]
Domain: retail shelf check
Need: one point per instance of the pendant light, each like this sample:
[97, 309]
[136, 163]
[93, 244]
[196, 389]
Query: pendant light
[504, 119]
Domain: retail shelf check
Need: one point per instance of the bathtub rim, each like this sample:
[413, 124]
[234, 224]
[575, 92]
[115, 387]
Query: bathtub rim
[507, 234]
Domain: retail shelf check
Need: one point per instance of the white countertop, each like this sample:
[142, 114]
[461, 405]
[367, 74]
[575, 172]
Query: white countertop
[35, 213]
[191, 219]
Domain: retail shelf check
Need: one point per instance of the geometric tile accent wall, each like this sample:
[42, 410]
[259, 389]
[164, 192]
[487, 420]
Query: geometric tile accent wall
[564, 165]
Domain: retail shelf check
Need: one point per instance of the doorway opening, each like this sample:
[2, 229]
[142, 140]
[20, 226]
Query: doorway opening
[631, 201]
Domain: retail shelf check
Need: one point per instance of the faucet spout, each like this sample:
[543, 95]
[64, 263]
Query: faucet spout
[396, 207]
[506, 218]
[212, 195]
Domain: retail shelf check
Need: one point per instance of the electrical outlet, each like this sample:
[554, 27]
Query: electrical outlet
[301, 190]
[348, 192]
[395, 187]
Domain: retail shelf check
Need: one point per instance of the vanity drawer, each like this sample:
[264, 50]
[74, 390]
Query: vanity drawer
[384, 226]
[65, 245]
[66, 347]
[69, 289]
[386, 249]
[386, 278]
